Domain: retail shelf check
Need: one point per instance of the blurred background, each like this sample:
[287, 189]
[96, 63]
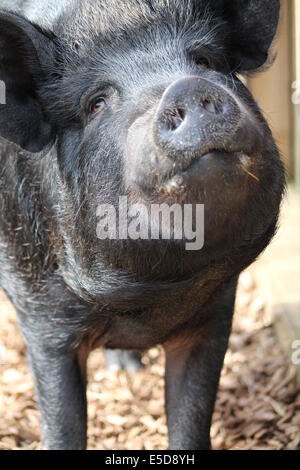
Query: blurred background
[258, 404]
[275, 89]
[278, 93]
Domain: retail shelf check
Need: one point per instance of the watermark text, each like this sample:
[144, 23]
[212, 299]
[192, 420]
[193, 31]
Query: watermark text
[154, 222]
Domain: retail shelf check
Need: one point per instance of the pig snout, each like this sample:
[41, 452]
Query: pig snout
[192, 117]
[195, 118]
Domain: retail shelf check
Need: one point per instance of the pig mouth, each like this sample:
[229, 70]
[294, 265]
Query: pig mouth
[212, 168]
[157, 177]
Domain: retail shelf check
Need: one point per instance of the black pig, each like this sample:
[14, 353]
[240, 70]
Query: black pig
[139, 98]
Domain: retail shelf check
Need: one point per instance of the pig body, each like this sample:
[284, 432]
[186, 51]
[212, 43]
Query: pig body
[132, 99]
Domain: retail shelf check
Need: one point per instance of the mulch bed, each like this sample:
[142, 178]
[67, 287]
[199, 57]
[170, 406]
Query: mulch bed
[258, 405]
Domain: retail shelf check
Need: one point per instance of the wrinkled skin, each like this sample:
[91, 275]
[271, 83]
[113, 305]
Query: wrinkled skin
[59, 160]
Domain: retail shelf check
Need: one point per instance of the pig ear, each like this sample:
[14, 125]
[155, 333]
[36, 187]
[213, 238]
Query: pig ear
[26, 53]
[253, 26]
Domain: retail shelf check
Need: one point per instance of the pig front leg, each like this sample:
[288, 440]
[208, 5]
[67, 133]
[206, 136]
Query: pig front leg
[61, 388]
[194, 361]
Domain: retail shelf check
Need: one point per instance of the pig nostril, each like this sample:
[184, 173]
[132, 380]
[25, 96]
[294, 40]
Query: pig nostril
[173, 118]
[211, 107]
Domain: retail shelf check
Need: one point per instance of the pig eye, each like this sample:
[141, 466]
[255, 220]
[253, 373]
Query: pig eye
[202, 60]
[97, 105]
